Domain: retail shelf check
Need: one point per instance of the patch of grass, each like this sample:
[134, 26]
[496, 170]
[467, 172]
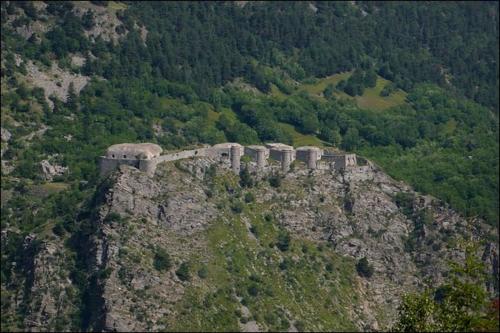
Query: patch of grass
[372, 100]
[277, 93]
[117, 5]
[300, 139]
[318, 87]
[47, 189]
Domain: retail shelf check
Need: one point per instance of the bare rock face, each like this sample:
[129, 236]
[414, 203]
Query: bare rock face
[55, 81]
[47, 293]
[175, 205]
[49, 171]
[5, 135]
[164, 211]
[355, 210]
[50, 287]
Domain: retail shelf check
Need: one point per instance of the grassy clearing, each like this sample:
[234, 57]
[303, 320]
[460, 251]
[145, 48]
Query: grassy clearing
[300, 139]
[372, 100]
[117, 5]
[277, 93]
[318, 87]
[44, 190]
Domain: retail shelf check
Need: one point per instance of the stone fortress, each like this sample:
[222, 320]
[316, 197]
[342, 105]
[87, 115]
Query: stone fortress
[146, 156]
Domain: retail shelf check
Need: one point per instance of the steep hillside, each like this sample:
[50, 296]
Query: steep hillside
[413, 86]
[191, 249]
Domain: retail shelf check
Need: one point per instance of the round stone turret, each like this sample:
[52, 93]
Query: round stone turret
[235, 159]
[258, 154]
[310, 155]
[286, 160]
[133, 151]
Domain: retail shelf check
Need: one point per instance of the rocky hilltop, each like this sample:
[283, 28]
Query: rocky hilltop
[197, 248]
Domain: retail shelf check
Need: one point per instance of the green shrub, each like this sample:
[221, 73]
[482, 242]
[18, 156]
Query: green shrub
[183, 272]
[283, 242]
[112, 217]
[162, 261]
[300, 325]
[58, 229]
[275, 181]
[364, 268]
[253, 290]
[285, 264]
[237, 207]
[203, 272]
[271, 318]
[249, 197]
[254, 230]
[245, 178]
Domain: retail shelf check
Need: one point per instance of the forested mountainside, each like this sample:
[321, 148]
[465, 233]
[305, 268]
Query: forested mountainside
[412, 86]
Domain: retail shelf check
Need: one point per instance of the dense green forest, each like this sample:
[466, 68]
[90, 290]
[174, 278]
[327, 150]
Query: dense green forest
[177, 78]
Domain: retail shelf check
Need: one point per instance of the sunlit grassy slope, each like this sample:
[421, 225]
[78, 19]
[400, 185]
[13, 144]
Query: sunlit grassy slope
[300, 139]
[370, 99]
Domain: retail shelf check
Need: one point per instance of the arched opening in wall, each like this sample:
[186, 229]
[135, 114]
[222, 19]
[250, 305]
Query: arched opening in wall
[196, 152]
[225, 155]
[113, 155]
[124, 156]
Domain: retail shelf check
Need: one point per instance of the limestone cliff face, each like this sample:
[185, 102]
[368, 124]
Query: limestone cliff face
[242, 274]
[40, 287]
[359, 212]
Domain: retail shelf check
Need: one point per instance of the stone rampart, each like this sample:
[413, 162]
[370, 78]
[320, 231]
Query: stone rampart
[148, 156]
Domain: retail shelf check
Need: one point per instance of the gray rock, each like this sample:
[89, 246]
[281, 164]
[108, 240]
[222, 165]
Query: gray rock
[49, 171]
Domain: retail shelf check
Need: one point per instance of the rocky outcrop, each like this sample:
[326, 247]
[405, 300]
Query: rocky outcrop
[55, 81]
[355, 210]
[49, 171]
[357, 213]
[5, 134]
[51, 292]
[38, 285]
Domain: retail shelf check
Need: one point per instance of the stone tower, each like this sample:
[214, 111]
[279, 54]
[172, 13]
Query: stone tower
[286, 160]
[235, 159]
[312, 158]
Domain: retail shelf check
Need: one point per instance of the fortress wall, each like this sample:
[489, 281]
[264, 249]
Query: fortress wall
[314, 157]
[251, 152]
[302, 155]
[222, 153]
[106, 165]
[182, 155]
[258, 154]
[276, 155]
[148, 166]
[338, 161]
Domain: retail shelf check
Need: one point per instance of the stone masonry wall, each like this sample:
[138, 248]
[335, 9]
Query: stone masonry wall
[314, 157]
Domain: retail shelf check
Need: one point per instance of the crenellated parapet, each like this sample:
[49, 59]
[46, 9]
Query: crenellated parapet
[146, 156]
